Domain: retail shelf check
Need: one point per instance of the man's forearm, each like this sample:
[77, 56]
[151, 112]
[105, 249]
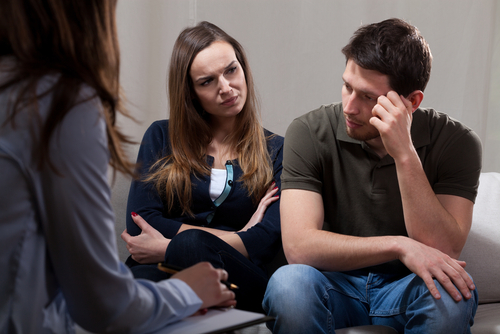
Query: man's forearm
[305, 242]
[336, 252]
[427, 220]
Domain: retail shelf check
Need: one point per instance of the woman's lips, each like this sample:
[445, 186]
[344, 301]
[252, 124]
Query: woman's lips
[230, 101]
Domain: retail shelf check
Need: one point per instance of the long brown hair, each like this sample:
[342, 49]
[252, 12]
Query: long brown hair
[189, 128]
[77, 41]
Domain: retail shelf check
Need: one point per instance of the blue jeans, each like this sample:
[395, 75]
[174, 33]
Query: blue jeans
[306, 300]
[192, 246]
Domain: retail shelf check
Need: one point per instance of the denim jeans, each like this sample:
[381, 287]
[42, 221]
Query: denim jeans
[192, 246]
[306, 300]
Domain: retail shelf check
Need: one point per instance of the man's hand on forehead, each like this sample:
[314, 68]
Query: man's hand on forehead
[395, 99]
[392, 116]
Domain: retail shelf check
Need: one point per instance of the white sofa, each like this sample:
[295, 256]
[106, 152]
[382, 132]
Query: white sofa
[482, 254]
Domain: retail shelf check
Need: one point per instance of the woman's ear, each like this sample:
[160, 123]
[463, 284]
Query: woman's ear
[415, 98]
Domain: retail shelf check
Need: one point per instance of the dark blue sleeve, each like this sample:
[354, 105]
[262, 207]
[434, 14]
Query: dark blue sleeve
[263, 240]
[143, 198]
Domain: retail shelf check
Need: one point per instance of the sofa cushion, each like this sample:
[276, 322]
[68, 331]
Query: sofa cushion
[487, 319]
[482, 249]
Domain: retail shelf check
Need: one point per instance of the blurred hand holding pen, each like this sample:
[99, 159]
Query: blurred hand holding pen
[171, 269]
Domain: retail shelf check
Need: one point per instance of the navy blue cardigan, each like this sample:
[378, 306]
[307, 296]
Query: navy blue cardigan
[261, 241]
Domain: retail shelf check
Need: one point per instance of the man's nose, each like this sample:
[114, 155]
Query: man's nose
[352, 107]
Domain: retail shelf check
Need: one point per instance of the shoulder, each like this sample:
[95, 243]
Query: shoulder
[452, 155]
[274, 145]
[326, 116]
[273, 140]
[443, 128]
[158, 128]
[85, 113]
[86, 117]
[157, 134]
[321, 124]
[438, 120]
[80, 141]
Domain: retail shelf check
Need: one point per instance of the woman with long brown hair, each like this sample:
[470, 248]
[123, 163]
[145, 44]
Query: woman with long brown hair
[59, 96]
[211, 173]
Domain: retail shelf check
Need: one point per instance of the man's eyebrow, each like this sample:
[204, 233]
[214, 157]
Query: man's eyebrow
[363, 91]
[209, 76]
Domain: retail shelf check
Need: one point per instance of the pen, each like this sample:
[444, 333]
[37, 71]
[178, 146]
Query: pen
[171, 269]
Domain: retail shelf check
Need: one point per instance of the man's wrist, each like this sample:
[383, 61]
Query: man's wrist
[396, 246]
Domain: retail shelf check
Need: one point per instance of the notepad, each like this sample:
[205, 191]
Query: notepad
[216, 321]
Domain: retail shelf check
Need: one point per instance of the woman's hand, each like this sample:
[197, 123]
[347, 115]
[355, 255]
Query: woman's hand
[205, 281]
[263, 205]
[147, 247]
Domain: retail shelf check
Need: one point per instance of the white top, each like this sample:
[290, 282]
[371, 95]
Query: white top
[58, 254]
[217, 182]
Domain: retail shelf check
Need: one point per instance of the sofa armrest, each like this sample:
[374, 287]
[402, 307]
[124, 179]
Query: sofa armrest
[482, 249]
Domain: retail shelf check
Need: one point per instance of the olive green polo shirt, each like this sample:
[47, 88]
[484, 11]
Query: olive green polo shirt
[360, 190]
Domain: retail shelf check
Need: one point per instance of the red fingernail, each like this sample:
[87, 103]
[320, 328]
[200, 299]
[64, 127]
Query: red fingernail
[134, 214]
[203, 311]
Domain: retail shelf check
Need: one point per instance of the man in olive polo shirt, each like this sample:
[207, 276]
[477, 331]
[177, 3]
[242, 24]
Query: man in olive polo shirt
[377, 198]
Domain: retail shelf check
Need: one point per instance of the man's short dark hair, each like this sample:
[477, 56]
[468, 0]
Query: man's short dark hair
[394, 48]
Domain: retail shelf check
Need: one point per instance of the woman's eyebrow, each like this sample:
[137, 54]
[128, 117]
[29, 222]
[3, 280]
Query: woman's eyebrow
[209, 76]
[230, 64]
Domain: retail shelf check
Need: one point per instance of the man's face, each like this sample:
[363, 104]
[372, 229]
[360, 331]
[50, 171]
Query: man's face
[359, 95]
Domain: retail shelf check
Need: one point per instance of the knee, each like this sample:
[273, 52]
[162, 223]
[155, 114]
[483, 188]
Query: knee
[444, 314]
[190, 245]
[289, 276]
[190, 239]
[192, 234]
[294, 297]
[447, 303]
[291, 283]
[456, 311]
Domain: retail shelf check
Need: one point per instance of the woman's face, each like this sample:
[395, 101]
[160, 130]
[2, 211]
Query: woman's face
[219, 81]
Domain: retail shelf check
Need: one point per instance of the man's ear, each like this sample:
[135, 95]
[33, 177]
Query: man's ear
[415, 98]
